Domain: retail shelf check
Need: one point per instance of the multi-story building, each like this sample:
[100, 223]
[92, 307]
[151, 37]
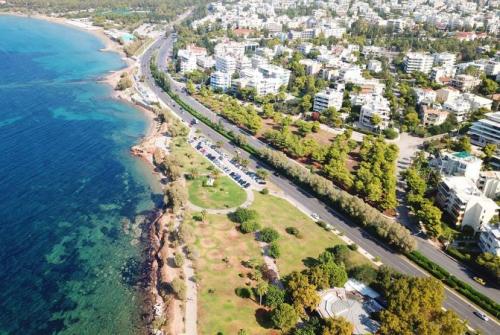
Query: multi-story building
[489, 240]
[489, 183]
[277, 72]
[492, 68]
[376, 106]
[220, 80]
[445, 59]
[418, 61]
[188, 57]
[312, 67]
[374, 65]
[460, 198]
[458, 164]
[225, 63]
[326, 99]
[486, 130]
[433, 117]
[465, 82]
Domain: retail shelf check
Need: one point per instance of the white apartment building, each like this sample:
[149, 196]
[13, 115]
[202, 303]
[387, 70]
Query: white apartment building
[460, 198]
[312, 67]
[425, 95]
[433, 117]
[459, 106]
[226, 64]
[188, 57]
[486, 130]
[445, 59]
[377, 105]
[489, 183]
[326, 99]
[273, 71]
[492, 68]
[374, 65]
[465, 82]
[418, 61]
[441, 74]
[458, 164]
[489, 240]
[220, 80]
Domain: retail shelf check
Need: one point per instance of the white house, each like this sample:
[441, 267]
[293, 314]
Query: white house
[220, 80]
[328, 98]
[489, 240]
[458, 164]
[378, 106]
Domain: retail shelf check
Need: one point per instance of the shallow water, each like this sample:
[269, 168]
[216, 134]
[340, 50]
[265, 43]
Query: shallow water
[70, 193]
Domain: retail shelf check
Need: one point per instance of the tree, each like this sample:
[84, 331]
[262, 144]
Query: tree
[178, 260]
[124, 82]
[261, 290]
[268, 235]
[204, 215]
[306, 103]
[274, 296]
[463, 144]
[303, 293]
[488, 86]
[262, 174]
[337, 326]
[414, 307]
[489, 150]
[249, 227]
[430, 216]
[411, 120]
[284, 317]
[179, 287]
[190, 88]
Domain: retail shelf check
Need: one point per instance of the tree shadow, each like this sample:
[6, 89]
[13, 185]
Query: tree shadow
[263, 318]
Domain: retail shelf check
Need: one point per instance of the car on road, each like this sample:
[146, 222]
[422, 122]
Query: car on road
[480, 280]
[482, 316]
[315, 216]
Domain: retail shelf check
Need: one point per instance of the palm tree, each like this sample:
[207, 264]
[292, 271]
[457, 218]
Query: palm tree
[262, 174]
[261, 289]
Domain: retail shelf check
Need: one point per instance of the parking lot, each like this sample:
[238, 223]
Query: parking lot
[244, 177]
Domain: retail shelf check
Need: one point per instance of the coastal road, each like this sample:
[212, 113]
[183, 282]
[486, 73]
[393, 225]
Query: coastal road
[354, 232]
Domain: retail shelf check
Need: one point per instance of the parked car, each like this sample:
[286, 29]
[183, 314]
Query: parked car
[480, 280]
[315, 216]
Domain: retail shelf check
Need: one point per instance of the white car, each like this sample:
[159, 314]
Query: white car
[315, 216]
[482, 316]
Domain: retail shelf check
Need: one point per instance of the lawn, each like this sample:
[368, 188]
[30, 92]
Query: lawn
[279, 214]
[188, 158]
[219, 308]
[225, 193]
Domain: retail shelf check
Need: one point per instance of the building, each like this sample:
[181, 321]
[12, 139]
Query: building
[465, 82]
[374, 65]
[433, 117]
[489, 183]
[226, 64]
[376, 106]
[277, 72]
[312, 67]
[458, 164]
[417, 61]
[489, 240]
[326, 99]
[486, 130]
[459, 106]
[189, 56]
[442, 74]
[220, 80]
[464, 203]
[445, 59]
[492, 68]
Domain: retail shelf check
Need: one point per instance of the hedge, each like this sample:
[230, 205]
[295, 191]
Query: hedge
[465, 289]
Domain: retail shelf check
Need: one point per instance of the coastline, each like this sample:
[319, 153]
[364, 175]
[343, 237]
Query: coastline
[152, 236]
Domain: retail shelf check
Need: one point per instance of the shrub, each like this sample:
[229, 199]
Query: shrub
[264, 191]
[179, 287]
[391, 133]
[274, 297]
[364, 273]
[268, 235]
[292, 231]
[243, 292]
[274, 250]
[241, 215]
[179, 260]
[322, 224]
[353, 247]
[249, 227]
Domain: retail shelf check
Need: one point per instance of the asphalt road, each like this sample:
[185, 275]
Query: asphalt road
[389, 257]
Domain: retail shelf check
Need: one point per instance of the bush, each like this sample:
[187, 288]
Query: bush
[322, 224]
[249, 227]
[364, 273]
[391, 133]
[274, 250]
[179, 288]
[353, 246]
[241, 215]
[274, 297]
[268, 235]
[243, 292]
[264, 191]
[292, 231]
[178, 260]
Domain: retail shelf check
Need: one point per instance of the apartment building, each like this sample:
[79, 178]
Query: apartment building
[445, 59]
[492, 68]
[458, 164]
[418, 61]
[460, 198]
[486, 130]
[433, 117]
[489, 183]
[489, 240]
[273, 71]
[220, 80]
[225, 63]
[378, 106]
[465, 82]
[189, 56]
[374, 65]
[326, 99]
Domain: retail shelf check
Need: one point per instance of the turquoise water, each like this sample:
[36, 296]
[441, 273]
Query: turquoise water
[72, 199]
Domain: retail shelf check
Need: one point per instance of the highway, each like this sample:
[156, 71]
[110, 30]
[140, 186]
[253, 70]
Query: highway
[389, 257]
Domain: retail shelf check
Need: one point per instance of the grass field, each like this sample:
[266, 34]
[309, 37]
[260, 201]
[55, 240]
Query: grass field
[224, 194]
[279, 214]
[188, 158]
[219, 308]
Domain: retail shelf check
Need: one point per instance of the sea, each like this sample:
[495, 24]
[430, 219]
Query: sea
[73, 201]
